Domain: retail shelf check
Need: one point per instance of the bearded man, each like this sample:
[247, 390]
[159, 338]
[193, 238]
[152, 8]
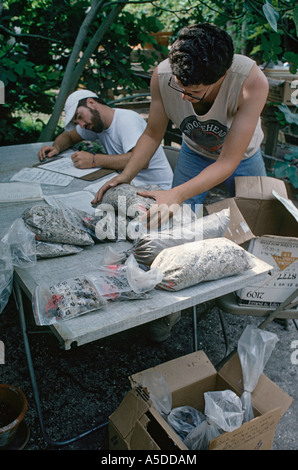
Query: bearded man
[87, 117]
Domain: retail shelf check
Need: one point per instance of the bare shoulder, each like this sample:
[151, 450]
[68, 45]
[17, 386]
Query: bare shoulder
[255, 87]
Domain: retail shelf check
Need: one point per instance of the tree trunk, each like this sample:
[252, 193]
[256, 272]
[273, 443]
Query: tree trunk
[74, 69]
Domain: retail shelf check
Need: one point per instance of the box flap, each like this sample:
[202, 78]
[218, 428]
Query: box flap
[259, 187]
[238, 230]
[257, 434]
[180, 372]
[130, 410]
[266, 396]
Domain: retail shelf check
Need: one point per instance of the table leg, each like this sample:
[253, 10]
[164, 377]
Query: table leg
[20, 306]
[194, 326]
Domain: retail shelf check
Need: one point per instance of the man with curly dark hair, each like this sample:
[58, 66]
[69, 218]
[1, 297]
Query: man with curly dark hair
[215, 97]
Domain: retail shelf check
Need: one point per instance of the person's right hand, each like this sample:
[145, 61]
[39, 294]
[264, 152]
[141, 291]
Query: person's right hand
[119, 179]
[47, 151]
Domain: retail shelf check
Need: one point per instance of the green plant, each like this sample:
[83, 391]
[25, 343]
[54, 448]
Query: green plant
[288, 168]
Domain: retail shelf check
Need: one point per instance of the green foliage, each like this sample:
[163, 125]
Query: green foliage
[37, 38]
[288, 168]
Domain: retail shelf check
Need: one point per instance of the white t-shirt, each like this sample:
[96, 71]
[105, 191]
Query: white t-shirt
[122, 135]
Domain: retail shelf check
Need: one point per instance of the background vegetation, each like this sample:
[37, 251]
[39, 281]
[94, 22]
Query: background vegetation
[49, 48]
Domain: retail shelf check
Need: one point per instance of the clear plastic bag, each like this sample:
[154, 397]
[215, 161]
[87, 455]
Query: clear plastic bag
[191, 263]
[17, 249]
[6, 275]
[62, 225]
[45, 250]
[65, 300]
[125, 281]
[159, 392]
[223, 410]
[255, 347]
[148, 245]
[21, 242]
[184, 419]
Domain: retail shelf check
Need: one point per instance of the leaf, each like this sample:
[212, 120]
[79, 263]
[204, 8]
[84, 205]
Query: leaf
[271, 15]
[290, 117]
[295, 17]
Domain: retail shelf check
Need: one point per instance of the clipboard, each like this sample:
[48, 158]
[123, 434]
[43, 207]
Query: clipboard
[97, 174]
[92, 176]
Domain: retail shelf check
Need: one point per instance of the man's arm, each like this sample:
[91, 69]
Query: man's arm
[61, 143]
[82, 159]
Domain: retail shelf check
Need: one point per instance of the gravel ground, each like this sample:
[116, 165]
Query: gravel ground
[82, 387]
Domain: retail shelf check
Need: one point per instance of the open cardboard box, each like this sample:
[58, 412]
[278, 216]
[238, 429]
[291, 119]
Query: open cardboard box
[265, 221]
[136, 425]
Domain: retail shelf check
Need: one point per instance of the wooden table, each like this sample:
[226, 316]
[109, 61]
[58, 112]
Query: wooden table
[118, 316]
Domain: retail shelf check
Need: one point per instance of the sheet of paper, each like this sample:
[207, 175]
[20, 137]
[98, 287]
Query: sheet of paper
[16, 192]
[94, 187]
[80, 200]
[66, 167]
[40, 176]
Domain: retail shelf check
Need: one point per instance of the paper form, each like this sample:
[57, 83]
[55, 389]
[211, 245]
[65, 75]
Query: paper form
[65, 166]
[14, 192]
[40, 176]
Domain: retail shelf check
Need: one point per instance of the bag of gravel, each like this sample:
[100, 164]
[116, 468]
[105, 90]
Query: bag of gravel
[149, 245]
[189, 264]
[56, 225]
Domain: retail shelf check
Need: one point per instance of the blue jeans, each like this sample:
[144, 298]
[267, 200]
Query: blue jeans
[190, 164]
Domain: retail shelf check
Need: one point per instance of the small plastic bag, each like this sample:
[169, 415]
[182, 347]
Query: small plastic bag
[184, 419]
[65, 300]
[255, 346]
[159, 392]
[21, 242]
[223, 410]
[6, 275]
[125, 281]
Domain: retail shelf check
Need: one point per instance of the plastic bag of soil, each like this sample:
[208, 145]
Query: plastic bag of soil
[56, 225]
[147, 246]
[45, 250]
[124, 198]
[205, 260]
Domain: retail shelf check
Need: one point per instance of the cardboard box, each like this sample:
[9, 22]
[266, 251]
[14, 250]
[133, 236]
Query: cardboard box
[261, 208]
[136, 425]
[280, 89]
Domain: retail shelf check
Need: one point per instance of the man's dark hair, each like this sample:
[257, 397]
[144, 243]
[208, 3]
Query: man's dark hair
[201, 55]
[83, 102]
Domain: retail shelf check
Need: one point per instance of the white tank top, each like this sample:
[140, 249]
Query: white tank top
[206, 133]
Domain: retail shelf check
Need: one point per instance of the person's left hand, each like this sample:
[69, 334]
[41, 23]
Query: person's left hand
[167, 204]
[82, 159]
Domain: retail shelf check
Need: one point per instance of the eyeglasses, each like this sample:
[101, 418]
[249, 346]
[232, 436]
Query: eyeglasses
[185, 93]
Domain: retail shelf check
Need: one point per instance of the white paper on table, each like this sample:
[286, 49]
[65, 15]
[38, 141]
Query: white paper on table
[94, 187]
[66, 166]
[38, 175]
[15, 192]
[80, 200]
